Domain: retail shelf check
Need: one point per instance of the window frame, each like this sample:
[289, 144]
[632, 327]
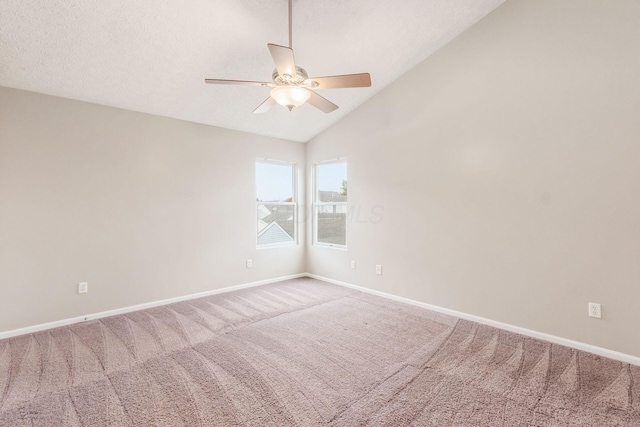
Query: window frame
[293, 203]
[317, 203]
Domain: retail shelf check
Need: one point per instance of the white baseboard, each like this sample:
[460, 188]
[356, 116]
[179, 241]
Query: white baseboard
[611, 354]
[70, 321]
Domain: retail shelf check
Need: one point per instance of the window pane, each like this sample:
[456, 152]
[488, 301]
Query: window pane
[274, 182]
[276, 223]
[331, 221]
[332, 182]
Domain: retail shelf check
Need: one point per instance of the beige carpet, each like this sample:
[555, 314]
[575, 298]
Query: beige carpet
[304, 353]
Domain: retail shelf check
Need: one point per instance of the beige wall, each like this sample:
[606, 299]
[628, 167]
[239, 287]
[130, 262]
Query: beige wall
[508, 168]
[142, 207]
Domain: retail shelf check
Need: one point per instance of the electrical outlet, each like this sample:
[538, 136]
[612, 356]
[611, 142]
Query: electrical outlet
[83, 288]
[379, 269]
[595, 310]
[249, 263]
[353, 265]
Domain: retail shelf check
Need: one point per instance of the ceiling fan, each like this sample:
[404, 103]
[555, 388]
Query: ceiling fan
[292, 87]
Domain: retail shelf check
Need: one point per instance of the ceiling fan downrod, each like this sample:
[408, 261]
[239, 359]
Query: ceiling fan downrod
[290, 24]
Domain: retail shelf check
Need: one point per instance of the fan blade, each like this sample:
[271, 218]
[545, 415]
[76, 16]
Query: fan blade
[236, 82]
[283, 57]
[321, 103]
[265, 106]
[335, 82]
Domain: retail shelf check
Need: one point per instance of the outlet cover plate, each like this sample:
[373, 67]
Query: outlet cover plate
[595, 310]
[83, 287]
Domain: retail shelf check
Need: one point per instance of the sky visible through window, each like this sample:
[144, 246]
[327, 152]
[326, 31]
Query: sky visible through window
[274, 182]
[330, 176]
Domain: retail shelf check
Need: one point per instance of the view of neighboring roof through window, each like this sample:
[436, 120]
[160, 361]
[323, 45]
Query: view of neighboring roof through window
[330, 204]
[275, 203]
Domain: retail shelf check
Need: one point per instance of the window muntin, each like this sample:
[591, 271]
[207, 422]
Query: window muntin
[330, 204]
[275, 203]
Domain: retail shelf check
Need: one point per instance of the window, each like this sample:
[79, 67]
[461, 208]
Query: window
[275, 203]
[330, 204]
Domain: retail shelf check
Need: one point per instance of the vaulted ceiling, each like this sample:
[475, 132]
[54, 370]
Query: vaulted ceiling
[153, 56]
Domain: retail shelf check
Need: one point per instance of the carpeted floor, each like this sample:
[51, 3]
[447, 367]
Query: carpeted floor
[304, 353]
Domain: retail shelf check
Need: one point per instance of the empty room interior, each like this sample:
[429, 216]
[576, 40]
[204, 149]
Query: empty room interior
[320, 213]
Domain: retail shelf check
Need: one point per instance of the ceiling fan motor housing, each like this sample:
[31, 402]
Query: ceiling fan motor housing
[300, 77]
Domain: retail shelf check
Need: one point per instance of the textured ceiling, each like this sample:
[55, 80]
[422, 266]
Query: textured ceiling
[153, 56]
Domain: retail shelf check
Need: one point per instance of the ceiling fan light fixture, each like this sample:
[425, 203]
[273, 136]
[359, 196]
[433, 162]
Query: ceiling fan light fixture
[290, 96]
[292, 86]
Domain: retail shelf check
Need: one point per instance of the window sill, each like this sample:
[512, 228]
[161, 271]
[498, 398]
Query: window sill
[324, 245]
[277, 245]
